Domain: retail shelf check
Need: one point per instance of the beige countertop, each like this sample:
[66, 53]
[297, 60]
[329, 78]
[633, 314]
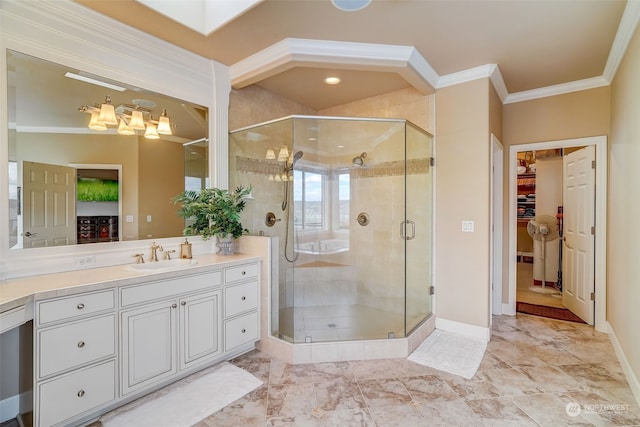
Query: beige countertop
[17, 292]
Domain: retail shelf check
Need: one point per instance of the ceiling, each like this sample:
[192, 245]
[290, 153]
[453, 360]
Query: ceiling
[535, 44]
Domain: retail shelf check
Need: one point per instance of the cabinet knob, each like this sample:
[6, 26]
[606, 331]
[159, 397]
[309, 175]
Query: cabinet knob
[243, 298]
[80, 306]
[244, 273]
[81, 393]
[183, 303]
[80, 344]
[244, 330]
[174, 305]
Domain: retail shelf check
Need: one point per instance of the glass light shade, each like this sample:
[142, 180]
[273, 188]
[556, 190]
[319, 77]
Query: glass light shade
[108, 115]
[271, 155]
[164, 127]
[283, 155]
[95, 124]
[285, 177]
[270, 177]
[278, 178]
[151, 132]
[137, 120]
[124, 129]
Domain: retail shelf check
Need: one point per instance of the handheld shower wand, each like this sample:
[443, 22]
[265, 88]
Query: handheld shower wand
[287, 169]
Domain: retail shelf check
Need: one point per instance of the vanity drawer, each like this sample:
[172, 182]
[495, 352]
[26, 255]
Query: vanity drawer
[67, 308]
[75, 344]
[163, 289]
[75, 393]
[243, 272]
[241, 330]
[240, 298]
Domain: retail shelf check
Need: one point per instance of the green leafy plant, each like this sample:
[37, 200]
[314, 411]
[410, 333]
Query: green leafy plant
[214, 211]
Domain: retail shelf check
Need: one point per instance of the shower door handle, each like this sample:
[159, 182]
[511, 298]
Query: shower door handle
[403, 230]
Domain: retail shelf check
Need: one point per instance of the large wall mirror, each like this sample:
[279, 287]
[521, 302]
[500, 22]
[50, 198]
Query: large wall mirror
[71, 184]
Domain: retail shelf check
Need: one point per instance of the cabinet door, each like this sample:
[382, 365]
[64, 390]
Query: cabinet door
[199, 328]
[148, 345]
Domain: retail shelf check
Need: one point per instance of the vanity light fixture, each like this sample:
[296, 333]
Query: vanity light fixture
[151, 132]
[332, 80]
[283, 154]
[271, 155]
[128, 118]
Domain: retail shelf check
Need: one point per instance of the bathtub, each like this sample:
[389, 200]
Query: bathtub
[323, 247]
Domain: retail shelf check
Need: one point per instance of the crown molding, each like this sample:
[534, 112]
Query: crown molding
[626, 30]
[560, 89]
[294, 52]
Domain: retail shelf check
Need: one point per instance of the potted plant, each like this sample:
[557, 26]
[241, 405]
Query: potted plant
[214, 212]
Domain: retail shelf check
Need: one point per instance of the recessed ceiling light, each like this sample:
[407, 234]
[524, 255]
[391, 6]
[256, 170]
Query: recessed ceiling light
[351, 5]
[332, 80]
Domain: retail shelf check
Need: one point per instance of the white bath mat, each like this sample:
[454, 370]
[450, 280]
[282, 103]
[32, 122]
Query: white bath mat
[453, 353]
[186, 402]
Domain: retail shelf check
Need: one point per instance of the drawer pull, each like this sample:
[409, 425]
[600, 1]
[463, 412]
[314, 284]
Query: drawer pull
[81, 393]
[80, 306]
[244, 330]
[183, 303]
[174, 305]
[243, 298]
[81, 344]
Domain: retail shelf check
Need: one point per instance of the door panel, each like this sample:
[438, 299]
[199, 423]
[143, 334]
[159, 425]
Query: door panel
[578, 220]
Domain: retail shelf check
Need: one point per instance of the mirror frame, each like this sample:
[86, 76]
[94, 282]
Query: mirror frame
[67, 33]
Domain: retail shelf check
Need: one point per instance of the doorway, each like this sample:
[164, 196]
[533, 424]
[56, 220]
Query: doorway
[599, 208]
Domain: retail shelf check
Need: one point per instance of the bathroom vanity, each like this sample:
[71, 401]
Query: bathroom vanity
[103, 337]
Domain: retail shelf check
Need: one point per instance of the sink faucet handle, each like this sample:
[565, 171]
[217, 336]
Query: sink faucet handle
[139, 258]
[167, 254]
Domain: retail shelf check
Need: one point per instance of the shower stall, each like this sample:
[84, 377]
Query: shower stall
[351, 202]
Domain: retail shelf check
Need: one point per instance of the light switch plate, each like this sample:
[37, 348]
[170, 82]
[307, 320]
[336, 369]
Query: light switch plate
[467, 226]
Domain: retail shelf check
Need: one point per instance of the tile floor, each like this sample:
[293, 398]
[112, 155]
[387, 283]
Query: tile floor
[532, 370]
[524, 279]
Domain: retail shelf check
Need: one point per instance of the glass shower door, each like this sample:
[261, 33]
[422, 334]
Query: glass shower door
[419, 226]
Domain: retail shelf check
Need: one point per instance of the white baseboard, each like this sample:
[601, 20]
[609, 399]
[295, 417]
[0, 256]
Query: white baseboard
[632, 379]
[508, 309]
[473, 331]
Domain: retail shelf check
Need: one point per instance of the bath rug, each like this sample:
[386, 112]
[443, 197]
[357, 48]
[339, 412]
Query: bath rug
[449, 352]
[187, 401]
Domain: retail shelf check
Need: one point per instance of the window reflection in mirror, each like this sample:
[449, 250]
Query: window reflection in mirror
[49, 115]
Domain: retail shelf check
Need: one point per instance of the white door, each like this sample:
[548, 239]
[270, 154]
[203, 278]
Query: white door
[578, 232]
[49, 205]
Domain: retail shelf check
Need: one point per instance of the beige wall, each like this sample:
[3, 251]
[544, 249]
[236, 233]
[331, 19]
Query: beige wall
[462, 190]
[161, 176]
[623, 281]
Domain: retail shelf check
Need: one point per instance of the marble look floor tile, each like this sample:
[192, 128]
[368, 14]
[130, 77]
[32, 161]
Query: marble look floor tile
[347, 418]
[515, 355]
[384, 392]
[301, 420]
[338, 394]
[449, 413]
[491, 361]
[372, 369]
[555, 354]
[500, 412]
[332, 370]
[428, 388]
[289, 400]
[285, 373]
[476, 388]
[407, 368]
[595, 375]
[551, 379]
[548, 411]
[397, 416]
[510, 382]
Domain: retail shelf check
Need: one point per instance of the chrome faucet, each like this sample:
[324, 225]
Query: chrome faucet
[154, 254]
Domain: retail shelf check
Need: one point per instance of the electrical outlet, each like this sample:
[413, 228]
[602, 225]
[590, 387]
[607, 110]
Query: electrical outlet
[467, 226]
[85, 261]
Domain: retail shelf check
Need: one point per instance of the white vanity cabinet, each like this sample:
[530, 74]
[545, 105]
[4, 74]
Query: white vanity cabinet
[95, 351]
[159, 338]
[75, 355]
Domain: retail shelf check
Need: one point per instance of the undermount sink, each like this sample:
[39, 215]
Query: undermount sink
[162, 266]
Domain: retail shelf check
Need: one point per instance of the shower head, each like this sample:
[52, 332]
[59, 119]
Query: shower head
[297, 156]
[359, 160]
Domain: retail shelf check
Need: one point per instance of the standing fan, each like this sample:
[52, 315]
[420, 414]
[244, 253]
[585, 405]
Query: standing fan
[543, 228]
